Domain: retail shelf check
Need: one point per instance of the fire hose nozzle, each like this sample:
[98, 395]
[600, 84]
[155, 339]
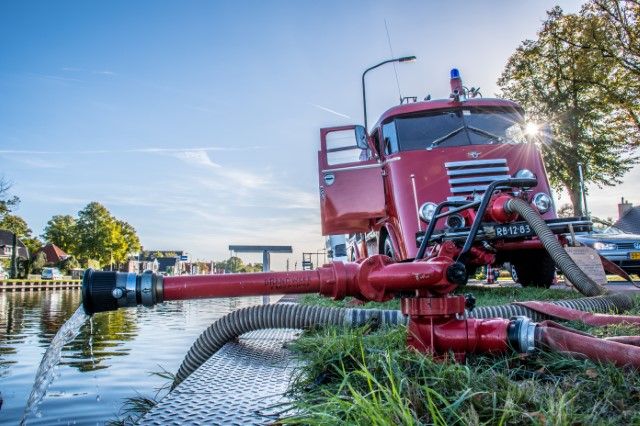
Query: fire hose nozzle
[107, 291]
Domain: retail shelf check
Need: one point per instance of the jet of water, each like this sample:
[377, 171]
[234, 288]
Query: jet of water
[51, 358]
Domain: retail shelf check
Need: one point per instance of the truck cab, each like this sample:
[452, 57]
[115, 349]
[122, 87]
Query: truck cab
[382, 187]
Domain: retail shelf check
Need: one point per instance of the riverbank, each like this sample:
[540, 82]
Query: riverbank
[366, 376]
[37, 285]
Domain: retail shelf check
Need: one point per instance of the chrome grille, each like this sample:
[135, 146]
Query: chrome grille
[627, 246]
[473, 176]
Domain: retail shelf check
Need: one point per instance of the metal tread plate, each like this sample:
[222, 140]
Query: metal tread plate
[241, 384]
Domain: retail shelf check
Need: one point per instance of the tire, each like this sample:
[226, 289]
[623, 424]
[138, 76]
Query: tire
[514, 273]
[534, 269]
[387, 247]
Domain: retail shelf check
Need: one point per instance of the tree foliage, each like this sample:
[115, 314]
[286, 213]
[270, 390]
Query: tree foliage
[7, 202]
[61, 231]
[560, 81]
[68, 264]
[15, 223]
[39, 262]
[235, 264]
[102, 237]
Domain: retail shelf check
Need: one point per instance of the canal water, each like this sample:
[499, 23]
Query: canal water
[97, 370]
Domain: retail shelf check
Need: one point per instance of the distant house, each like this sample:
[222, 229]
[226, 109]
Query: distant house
[53, 253]
[139, 266]
[6, 246]
[629, 220]
[166, 261]
[169, 265]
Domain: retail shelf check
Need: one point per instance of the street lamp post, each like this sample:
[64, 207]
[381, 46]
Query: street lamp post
[364, 94]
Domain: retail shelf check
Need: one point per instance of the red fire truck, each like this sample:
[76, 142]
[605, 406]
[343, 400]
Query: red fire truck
[384, 187]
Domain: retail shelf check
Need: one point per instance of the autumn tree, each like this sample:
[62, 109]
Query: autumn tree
[611, 34]
[552, 77]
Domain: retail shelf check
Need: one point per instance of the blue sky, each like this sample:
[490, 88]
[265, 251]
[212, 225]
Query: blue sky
[197, 122]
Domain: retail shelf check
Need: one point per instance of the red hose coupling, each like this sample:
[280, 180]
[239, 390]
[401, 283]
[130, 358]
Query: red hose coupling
[497, 211]
[436, 328]
[380, 278]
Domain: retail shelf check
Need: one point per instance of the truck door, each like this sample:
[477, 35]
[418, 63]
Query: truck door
[351, 189]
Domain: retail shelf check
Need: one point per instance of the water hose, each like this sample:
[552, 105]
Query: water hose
[294, 316]
[557, 338]
[282, 315]
[571, 271]
[598, 304]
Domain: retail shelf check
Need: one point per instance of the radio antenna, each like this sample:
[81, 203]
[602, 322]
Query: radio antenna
[395, 69]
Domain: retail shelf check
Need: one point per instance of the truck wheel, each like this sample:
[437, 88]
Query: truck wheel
[387, 247]
[534, 269]
[512, 271]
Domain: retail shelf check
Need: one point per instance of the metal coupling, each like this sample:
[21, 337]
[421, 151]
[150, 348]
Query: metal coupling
[457, 274]
[108, 291]
[521, 334]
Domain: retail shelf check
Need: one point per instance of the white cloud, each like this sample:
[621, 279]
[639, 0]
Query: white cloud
[198, 157]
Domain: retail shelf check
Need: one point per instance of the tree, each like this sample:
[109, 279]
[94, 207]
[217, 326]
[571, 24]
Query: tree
[39, 262]
[552, 78]
[125, 241]
[611, 34]
[235, 264]
[94, 230]
[7, 202]
[566, 210]
[12, 222]
[68, 264]
[102, 237]
[61, 231]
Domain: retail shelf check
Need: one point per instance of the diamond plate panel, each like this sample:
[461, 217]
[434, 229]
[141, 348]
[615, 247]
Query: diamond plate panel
[242, 384]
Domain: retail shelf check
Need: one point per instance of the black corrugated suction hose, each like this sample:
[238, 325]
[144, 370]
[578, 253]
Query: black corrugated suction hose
[285, 315]
[578, 278]
[282, 315]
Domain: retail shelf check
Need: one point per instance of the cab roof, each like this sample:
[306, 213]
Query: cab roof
[416, 107]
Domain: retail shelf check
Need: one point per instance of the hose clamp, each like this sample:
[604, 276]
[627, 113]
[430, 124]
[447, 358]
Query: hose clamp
[130, 289]
[146, 289]
[521, 333]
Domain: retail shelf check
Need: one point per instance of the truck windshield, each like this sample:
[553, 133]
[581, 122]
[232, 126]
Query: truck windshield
[454, 127]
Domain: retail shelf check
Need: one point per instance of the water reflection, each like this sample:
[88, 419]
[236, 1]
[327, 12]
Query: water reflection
[97, 370]
[52, 309]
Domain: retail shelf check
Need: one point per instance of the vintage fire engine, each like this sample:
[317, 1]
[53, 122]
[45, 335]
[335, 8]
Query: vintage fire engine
[383, 188]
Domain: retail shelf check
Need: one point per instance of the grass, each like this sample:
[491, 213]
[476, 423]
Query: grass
[355, 376]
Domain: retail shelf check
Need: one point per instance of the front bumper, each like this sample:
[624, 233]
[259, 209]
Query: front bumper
[487, 231]
[622, 259]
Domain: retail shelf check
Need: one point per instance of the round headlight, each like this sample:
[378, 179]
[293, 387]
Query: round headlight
[427, 210]
[542, 202]
[525, 174]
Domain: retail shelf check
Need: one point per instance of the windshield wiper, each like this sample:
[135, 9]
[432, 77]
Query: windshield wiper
[485, 133]
[447, 136]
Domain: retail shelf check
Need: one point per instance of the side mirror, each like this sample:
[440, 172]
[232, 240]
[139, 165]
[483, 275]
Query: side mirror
[361, 137]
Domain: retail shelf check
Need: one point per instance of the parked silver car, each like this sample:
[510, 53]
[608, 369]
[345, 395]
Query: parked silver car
[617, 246]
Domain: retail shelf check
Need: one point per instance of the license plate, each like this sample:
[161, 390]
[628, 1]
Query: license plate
[513, 230]
[634, 255]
